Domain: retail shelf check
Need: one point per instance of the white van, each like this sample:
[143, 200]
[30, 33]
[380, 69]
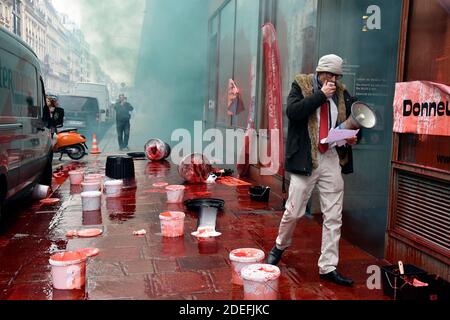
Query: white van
[98, 91]
[25, 144]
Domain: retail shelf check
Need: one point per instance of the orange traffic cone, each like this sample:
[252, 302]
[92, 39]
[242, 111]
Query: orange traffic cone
[95, 149]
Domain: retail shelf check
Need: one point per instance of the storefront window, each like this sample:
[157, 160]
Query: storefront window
[226, 49]
[427, 59]
[246, 51]
[296, 24]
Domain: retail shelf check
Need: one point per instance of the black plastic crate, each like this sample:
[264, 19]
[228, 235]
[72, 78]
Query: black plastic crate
[397, 287]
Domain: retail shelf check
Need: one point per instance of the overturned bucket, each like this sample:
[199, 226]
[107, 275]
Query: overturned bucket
[260, 282]
[172, 224]
[40, 192]
[68, 270]
[241, 258]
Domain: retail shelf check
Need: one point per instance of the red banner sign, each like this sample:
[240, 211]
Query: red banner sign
[422, 107]
[273, 92]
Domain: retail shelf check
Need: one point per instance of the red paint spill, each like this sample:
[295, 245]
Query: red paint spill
[167, 214]
[49, 201]
[242, 254]
[267, 270]
[89, 252]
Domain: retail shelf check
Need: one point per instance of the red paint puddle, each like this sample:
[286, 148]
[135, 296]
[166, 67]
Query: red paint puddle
[232, 182]
[200, 194]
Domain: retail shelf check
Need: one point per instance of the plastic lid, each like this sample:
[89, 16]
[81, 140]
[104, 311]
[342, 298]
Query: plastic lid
[172, 215]
[90, 183]
[76, 172]
[160, 184]
[67, 258]
[175, 188]
[89, 233]
[205, 233]
[260, 272]
[91, 194]
[247, 255]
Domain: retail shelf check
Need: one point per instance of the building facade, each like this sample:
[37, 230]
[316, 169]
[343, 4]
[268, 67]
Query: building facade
[382, 43]
[59, 44]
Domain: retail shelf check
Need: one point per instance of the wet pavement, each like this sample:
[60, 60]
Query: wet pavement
[152, 267]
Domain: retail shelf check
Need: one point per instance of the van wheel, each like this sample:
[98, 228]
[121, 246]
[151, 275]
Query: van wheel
[47, 175]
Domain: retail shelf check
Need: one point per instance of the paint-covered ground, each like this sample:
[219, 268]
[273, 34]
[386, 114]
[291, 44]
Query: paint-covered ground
[151, 266]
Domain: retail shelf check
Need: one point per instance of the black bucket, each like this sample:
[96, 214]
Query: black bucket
[259, 193]
[120, 167]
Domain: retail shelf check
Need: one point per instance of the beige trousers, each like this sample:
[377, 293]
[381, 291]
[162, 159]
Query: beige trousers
[328, 178]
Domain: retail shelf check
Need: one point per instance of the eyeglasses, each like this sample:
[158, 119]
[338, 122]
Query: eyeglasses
[332, 75]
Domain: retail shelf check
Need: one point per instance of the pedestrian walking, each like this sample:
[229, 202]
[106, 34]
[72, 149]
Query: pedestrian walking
[123, 116]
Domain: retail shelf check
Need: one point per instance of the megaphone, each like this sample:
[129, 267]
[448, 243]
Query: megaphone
[362, 117]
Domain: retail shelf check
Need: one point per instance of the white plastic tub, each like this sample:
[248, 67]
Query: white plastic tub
[172, 224]
[76, 177]
[91, 200]
[113, 188]
[91, 186]
[40, 192]
[260, 282]
[68, 270]
[241, 258]
[175, 194]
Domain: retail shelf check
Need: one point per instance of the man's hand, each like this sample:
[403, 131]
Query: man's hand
[352, 141]
[329, 89]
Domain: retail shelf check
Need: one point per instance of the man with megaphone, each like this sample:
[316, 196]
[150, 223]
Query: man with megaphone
[316, 104]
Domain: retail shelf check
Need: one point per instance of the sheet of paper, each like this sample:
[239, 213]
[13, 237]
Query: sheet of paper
[339, 135]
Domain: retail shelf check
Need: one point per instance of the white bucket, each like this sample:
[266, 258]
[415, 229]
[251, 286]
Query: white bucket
[68, 270]
[260, 282]
[175, 194]
[40, 192]
[91, 200]
[241, 258]
[113, 188]
[91, 186]
[94, 177]
[172, 224]
[76, 177]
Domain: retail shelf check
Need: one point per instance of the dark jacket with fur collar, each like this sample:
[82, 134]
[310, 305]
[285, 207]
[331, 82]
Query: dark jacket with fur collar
[302, 141]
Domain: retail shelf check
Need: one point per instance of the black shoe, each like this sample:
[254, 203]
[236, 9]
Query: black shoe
[337, 278]
[274, 256]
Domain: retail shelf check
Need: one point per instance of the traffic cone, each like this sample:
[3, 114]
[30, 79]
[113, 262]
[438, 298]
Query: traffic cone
[95, 149]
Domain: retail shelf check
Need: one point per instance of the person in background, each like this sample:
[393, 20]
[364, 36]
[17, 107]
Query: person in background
[316, 104]
[123, 116]
[53, 114]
